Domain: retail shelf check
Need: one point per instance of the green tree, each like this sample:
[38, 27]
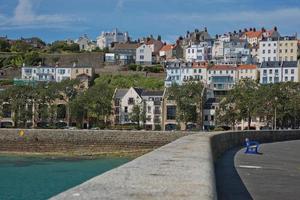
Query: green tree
[189, 101]
[4, 46]
[135, 115]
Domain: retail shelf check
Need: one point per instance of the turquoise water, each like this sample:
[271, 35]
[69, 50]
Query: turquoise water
[41, 178]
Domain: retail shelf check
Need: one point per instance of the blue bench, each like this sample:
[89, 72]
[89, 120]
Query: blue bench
[251, 147]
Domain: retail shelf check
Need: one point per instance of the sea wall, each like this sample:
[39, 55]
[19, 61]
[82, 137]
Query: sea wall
[183, 169]
[82, 142]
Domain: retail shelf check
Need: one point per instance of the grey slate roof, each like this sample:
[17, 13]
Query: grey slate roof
[120, 93]
[152, 93]
[278, 64]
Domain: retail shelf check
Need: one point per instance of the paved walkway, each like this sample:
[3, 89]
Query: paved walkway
[275, 174]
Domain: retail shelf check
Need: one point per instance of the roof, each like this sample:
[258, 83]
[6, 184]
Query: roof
[167, 47]
[200, 65]
[126, 46]
[120, 93]
[278, 64]
[222, 67]
[247, 67]
[253, 34]
[139, 91]
[152, 93]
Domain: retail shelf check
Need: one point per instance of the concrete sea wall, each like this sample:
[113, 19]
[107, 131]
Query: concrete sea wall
[183, 169]
[82, 142]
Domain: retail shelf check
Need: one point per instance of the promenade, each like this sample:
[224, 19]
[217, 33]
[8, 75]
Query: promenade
[274, 174]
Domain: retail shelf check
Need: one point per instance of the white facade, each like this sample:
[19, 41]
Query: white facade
[144, 55]
[276, 72]
[56, 74]
[107, 38]
[218, 49]
[268, 50]
[198, 53]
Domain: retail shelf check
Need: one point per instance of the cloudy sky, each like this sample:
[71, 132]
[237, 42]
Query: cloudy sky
[61, 19]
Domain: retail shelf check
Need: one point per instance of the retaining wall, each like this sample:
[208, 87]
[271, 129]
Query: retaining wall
[83, 141]
[183, 169]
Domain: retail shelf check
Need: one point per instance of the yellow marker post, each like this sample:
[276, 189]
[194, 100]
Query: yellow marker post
[21, 133]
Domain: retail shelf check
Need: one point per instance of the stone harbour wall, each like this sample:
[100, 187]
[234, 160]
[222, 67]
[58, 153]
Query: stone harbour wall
[82, 141]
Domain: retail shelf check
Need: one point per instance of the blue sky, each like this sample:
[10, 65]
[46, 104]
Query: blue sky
[61, 19]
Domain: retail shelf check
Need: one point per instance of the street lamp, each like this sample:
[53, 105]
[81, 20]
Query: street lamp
[275, 122]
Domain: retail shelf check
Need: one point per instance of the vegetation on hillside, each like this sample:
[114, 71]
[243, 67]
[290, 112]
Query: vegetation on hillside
[122, 81]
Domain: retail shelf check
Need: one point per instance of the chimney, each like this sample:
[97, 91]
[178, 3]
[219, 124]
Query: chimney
[23, 64]
[40, 64]
[74, 64]
[275, 28]
[205, 29]
[56, 64]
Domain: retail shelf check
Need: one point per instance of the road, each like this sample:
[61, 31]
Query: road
[274, 174]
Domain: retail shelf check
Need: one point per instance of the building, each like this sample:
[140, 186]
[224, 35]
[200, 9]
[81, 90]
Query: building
[279, 71]
[278, 49]
[106, 39]
[150, 103]
[253, 36]
[144, 55]
[288, 48]
[222, 77]
[201, 52]
[125, 53]
[247, 71]
[31, 74]
[178, 73]
[85, 44]
[166, 52]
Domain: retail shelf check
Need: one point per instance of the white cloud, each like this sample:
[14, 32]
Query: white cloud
[26, 17]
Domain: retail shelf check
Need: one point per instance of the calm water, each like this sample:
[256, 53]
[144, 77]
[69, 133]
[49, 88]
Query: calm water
[41, 178]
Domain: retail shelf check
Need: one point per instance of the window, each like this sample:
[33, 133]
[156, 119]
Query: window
[292, 78]
[270, 71]
[130, 101]
[171, 112]
[195, 70]
[286, 78]
[126, 109]
[274, 51]
[280, 51]
[276, 71]
[269, 51]
[87, 71]
[141, 50]
[292, 50]
[270, 79]
[286, 51]
[212, 118]
[264, 51]
[286, 71]
[265, 80]
[206, 118]
[292, 71]
[149, 109]
[199, 70]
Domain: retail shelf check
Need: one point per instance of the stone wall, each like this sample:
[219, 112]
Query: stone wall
[221, 142]
[82, 141]
[183, 169]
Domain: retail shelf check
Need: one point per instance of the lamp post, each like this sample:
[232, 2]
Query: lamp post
[275, 117]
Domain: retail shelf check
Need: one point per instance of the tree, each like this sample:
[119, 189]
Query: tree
[189, 101]
[135, 115]
[20, 46]
[4, 46]
[33, 58]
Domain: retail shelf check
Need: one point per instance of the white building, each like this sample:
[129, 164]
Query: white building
[107, 38]
[152, 103]
[199, 53]
[276, 72]
[143, 55]
[149, 102]
[268, 50]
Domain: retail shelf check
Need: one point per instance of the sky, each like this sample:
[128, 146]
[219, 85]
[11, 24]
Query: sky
[63, 19]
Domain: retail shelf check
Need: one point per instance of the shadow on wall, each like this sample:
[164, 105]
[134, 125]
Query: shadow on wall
[229, 182]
